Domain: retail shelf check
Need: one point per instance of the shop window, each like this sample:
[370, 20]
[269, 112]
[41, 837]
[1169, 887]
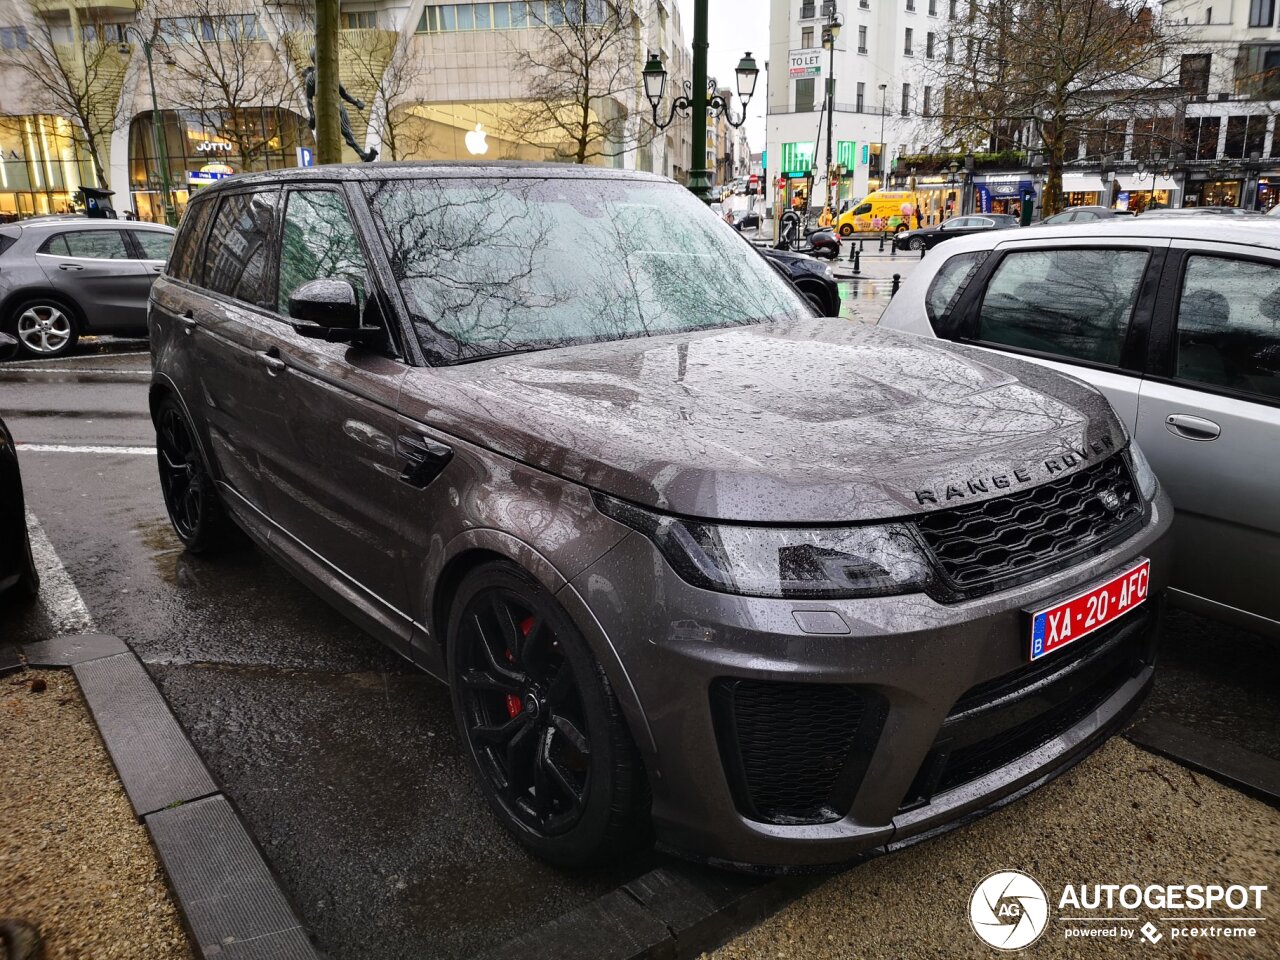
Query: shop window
[1072, 303]
[1229, 325]
[797, 157]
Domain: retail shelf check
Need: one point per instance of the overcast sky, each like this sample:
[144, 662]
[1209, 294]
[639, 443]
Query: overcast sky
[734, 27]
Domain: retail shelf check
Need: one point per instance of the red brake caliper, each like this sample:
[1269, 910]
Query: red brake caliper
[514, 703]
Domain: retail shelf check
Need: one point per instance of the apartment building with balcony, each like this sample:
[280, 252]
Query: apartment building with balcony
[884, 91]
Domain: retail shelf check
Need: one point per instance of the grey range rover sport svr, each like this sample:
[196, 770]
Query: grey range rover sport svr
[698, 564]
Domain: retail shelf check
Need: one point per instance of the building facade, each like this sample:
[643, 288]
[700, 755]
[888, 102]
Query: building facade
[439, 81]
[881, 69]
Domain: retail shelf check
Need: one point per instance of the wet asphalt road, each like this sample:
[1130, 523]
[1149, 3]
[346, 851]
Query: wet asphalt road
[343, 759]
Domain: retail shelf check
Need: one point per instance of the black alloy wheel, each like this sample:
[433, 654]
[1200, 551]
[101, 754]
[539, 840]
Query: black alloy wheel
[189, 493]
[540, 723]
[915, 243]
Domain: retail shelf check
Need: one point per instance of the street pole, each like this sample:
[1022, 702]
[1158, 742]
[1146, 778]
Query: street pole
[699, 175]
[831, 106]
[884, 92]
[328, 128]
[158, 143]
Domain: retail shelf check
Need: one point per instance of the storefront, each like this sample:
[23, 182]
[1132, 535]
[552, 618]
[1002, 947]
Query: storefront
[1001, 192]
[1268, 192]
[933, 194]
[1136, 194]
[1214, 193]
[202, 149]
[41, 167]
[1084, 190]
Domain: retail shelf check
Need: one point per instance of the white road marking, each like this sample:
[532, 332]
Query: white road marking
[58, 594]
[84, 448]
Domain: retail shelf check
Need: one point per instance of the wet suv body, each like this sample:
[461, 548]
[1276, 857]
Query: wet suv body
[630, 480]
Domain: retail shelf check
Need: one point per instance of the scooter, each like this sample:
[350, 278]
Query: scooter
[820, 242]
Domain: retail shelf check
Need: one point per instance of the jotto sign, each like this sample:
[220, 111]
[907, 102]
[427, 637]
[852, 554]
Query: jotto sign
[806, 63]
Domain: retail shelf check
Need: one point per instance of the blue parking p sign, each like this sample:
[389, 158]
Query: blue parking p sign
[306, 157]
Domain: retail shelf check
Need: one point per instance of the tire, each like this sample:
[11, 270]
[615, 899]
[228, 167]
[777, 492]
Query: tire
[846, 230]
[190, 494]
[540, 723]
[46, 327]
[915, 243]
[900, 228]
[28, 587]
[816, 296]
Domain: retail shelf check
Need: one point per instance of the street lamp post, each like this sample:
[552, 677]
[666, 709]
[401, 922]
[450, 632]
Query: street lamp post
[884, 87]
[698, 99]
[157, 139]
[831, 30]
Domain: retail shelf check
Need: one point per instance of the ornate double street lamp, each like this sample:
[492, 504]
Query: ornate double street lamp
[698, 100]
[157, 135]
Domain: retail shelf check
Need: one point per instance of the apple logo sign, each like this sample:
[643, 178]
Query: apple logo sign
[476, 144]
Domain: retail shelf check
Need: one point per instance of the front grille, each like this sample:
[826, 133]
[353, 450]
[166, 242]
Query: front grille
[1000, 543]
[794, 752]
[999, 720]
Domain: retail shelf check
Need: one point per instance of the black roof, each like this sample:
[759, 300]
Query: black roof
[418, 169]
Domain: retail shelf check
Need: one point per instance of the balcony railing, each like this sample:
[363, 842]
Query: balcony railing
[838, 107]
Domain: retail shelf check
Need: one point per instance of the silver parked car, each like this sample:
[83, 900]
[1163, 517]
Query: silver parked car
[785, 589]
[63, 277]
[1177, 321]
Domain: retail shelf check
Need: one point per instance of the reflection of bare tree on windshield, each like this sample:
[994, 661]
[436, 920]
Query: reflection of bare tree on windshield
[536, 263]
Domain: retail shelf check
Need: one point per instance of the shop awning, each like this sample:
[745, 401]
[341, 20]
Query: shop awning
[1082, 183]
[1143, 184]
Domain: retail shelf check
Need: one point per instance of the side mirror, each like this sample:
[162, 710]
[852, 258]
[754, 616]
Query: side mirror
[8, 347]
[327, 303]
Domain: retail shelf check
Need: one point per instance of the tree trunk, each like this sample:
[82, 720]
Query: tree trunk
[328, 126]
[1055, 142]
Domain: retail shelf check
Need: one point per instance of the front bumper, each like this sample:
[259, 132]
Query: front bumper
[911, 714]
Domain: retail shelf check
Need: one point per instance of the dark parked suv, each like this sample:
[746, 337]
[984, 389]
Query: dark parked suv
[783, 589]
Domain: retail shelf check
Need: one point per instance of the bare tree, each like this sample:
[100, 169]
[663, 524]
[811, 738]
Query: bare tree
[220, 67]
[581, 72]
[1074, 69]
[381, 66]
[73, 67]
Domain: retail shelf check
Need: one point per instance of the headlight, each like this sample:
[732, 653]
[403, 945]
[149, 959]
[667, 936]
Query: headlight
[1143, 475]
[795, 562]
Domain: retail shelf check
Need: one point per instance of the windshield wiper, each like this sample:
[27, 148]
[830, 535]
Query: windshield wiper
[494, 356]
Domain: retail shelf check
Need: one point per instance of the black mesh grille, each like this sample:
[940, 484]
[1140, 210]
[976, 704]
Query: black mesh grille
[999, 543]
[794, 752]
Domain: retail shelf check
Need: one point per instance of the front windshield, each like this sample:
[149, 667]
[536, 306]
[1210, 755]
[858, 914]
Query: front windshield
[494, 266]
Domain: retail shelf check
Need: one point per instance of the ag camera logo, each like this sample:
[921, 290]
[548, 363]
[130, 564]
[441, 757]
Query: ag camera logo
[1009, 910]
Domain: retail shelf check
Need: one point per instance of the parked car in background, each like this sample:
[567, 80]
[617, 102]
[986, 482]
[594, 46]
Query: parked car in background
[811, 277]
[1179, 212]
[1085, 214]
[928, 237]
[697, 564]
[1177, 321]
[63, 277]
[18, 576]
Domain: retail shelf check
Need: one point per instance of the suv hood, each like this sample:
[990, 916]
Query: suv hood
[811, 421]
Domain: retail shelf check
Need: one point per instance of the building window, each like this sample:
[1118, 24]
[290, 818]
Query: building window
[865, 4]
[210, 29]
[906, 99]
[846, 153]
[1261, 12]
[1200, 135]
[951, 9]
[360, 20]
[911, 6]
[928, 45]
[860, 103]
[1245, 136]
[927, 105]
[808, 10]
[906, 43]
[804, 95]
[14, 38]
[933, 8]
[806, 38]
[951, 49]
[862, 39]
[1194, 73]
[520, 15]
[1208, 15]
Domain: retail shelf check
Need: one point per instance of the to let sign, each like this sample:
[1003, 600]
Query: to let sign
[806, 63]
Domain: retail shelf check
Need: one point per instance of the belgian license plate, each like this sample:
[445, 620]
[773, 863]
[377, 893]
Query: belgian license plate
[1068, 621]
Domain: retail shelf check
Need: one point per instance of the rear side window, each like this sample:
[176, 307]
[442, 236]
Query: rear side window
[155, 244]
[183, 263]
[948, 282]
[1229, 325]
[89, 245]
[237, 252]
[1073, 303]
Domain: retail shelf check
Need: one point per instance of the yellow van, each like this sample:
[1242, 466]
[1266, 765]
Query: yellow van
[878, 211]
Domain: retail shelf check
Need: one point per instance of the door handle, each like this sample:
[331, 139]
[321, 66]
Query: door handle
[70, 266]
[271, 360]
[1191, 428]
[188, 321]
